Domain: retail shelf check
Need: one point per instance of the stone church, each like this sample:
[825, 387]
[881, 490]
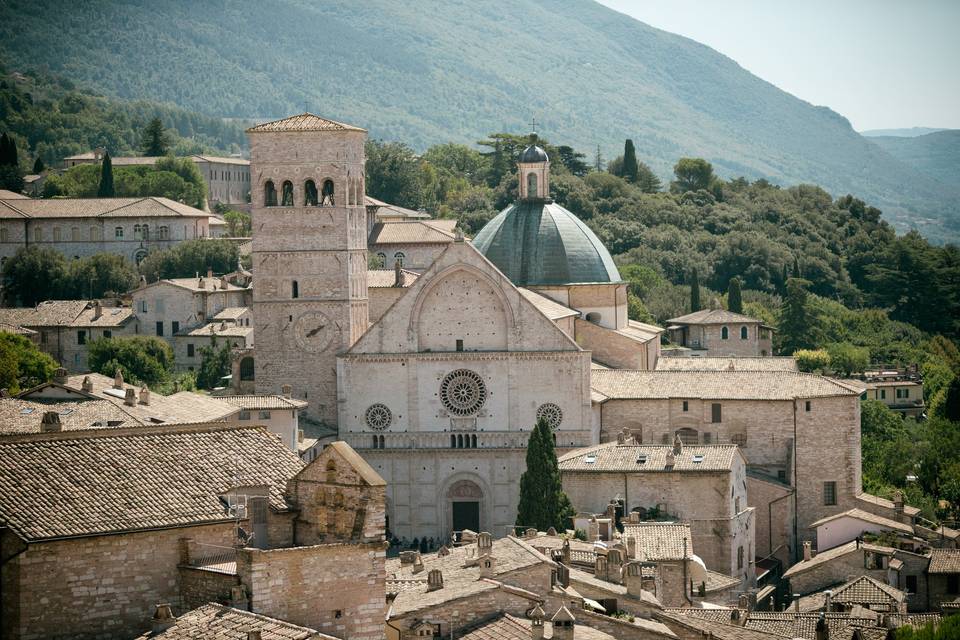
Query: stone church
[528, 320]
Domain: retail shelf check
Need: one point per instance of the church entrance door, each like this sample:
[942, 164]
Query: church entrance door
[466, 515]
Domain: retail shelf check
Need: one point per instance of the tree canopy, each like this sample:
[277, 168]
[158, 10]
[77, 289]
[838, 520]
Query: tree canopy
[187, 259]
[142, 359]
[543, 503]
[22, 364]
[38, 273]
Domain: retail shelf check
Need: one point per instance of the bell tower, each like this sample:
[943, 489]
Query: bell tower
[309, 254]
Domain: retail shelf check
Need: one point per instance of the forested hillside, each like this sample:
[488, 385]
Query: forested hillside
[935, 154]
[427, 72]
[51, 117]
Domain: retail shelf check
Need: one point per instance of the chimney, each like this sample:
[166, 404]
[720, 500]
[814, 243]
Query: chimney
[434, 580]
[827, 600]
[677, 445]
[97, 310]
[397, 275]
[224, 283]
[458, 235]
[488, 566]
[300, 435]
[631, 547]
[286, 390]
[144, 395]
[796, 602]
[163, 618]
[822, 631]
[417, 562]
[87, 384]
[807, 547]
[50, 423]
[536, 623]
[898, 504]
[484, 543]
[443, 552]
[130, 397]
[563, 624]
[118, 379]
[253, 634]
[209, 273]
[60, 375]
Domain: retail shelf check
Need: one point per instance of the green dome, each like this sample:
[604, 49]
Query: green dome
[541, 243]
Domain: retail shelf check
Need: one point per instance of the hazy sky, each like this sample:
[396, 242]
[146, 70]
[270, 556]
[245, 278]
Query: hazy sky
[879, 63]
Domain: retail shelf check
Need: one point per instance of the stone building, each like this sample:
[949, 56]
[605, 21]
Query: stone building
[81, 227]
[64, 328]
[227, 178]
[280, 414]
[412, 244]
[702, 485]
[113, 526]
[219, 621]
[944, 579]
[717, 332]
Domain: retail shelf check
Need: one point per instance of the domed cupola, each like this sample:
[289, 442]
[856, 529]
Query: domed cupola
[533, 172]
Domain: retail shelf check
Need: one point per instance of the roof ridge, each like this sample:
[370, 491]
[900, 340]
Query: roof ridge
[142, 429]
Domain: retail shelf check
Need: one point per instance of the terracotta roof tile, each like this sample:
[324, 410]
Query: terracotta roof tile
[303, 122]
[661, 540]
[803, 625]
[24, 416]
[386, 278]
[104, 208]
[546, 306]
[944, 561]
[218, 622]
[865, 516]
[866, 590]
[410, 232]
[96, 483]
[263, 402]
[712, 316]
[715, 363]
[627, 457]
[714, 385]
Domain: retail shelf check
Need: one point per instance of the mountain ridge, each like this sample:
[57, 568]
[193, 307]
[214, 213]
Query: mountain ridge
[458, 71]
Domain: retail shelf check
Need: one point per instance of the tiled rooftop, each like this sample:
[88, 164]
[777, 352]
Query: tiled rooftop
[219, 328]
[692, 618]
[714, 363]
[803, 625]
[387, 278]
[866, 590]
[714, 385]
[661, 540]
[23, 416]
[72, 484]
[265, 402]
[549, 308]
[102, 208]
[832, 554]
[303, 122]
[230, 313]
[865, 516]
[649, 458]
[218, 622]
[713, 316]
[944, 561]
[412, 232]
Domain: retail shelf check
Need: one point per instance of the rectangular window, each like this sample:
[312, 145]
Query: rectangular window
[459, 345]
[883, 394]
[43, 337]
[264, 415]
[38, 235]
[739, 557]
[81, 337]
[716, 413]
[830, 493]
[911, 584]
[190, 352]
[175, 327]
[806, 405]
[160, 328]
[244, 415]
[118, 233]
[143, 306]
[782, 475]
[686, 405]
[906, 393]
[107, 333]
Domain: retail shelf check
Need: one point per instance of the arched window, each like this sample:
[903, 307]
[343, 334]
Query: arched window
[146, 232]
[688, 435]
[139, 255]
[743, 333]
[326, 194]
[473, 442]
[460, 441]
[310, 195]
[376, 442]
[398, 258]
[294, 289]
[724, 333]
[94, 233]
[453, 441]
[269, 194]
[382, 445]
[381, 260]
[246, 369]
[137, 232]
[287, 195]
[164, 233]
[531, 185]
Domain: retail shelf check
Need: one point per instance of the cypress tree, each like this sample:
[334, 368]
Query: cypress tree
[106, 178]
[155, 141]
[694, 291]
[4, 149]
[630, 166]
[38, 166]
[543, 503]
[734, 297]
[11, 177]
[796, 267]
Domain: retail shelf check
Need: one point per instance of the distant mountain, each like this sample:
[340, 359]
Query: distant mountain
[936, 155]
[912, 132]
[440, 70]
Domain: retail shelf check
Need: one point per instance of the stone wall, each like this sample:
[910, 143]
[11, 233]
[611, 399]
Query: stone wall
[63, 343]
[710, 336]
[773, 502]
[337, 588]
[416, 256]
[200, 586]
[463, 611]
[938, 591]
[611, 348]
[381, 298]
[98, 587]
[836, 571]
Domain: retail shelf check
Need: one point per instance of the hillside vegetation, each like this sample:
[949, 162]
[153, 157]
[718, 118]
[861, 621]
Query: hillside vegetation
[433, 71]
[935, 154]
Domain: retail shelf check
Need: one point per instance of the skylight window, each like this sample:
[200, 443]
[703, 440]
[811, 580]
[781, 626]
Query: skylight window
[26, 411]
[641, 459]
[590, 459]
[697, 459]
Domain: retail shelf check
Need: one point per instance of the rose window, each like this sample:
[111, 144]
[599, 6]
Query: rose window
[379, 416]
[551, 413]
[463, 392]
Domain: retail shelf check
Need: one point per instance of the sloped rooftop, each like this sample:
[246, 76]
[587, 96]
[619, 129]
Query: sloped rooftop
[303, 122]
[714, 385]
[218, 622]
[714, 363]
[649, 458]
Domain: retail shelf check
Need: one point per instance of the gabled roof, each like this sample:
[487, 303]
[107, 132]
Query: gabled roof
[263, 402]
[19, 416]
[11, 195]
[412, 232]
[303, 122]
[218, 622]
[944, 561]
[713, 316]
[73, 484]
[693, 619]
[550, 308]
[387, 278]
[728, 363]
[824, 557]
[715, 385]
[386, 210]
[102, 208]
[361, 466]
[618, 458]
[661, 540]
[859, 514]
[866, 590]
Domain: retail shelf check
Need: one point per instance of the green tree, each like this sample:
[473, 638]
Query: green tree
[951, 405]
[34, 274]
[630, 167]
[734, 296]
[647, 180]
[694, 291]
[38, 166]
[11, 175]
[946, 629]
[692, 174]
[847, 359]
[190, 258]
[142, 359]
[100, 275]
[239, 224]
[22, 364]
[573, 160]
[215, 363]
[543, 503]
[812, 360]
[155, 141]
[393, 173]
[105, 190]
[798, 322]
[8, 150]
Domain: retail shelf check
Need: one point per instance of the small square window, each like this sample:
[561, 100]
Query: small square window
[244, 415]
[459, 345]
[264, 415]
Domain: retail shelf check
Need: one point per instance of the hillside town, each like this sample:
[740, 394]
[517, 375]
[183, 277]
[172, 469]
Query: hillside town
[363, 470]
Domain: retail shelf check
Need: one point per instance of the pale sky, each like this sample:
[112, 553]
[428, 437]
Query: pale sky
[880, 63]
